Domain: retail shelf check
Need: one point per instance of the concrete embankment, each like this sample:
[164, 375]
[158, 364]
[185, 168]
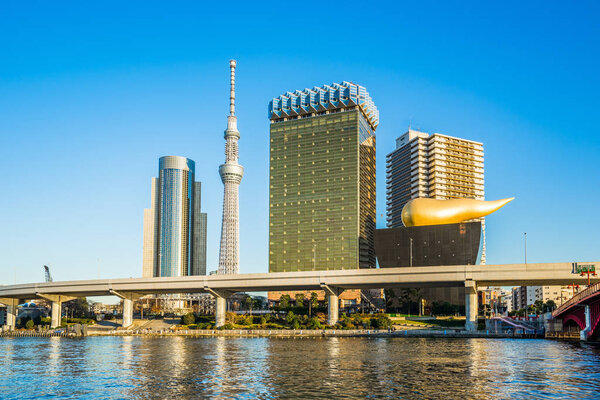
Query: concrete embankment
[437, 333]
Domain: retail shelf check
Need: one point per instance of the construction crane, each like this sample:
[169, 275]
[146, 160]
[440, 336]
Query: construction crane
[47, 273]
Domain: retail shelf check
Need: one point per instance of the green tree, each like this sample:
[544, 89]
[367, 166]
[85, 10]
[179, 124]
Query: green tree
[390, 295]
[29, 324]
[538, 307]
[290, 317]
[313, 302]
[299, 300]
[549, 306]
[78, 308]
[249, 304]
[284, 301]
[188, 319]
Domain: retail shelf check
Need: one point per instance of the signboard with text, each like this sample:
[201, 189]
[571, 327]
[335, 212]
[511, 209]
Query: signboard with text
[583, 268]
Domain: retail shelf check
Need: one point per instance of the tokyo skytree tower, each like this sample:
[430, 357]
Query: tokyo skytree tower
[231, 174]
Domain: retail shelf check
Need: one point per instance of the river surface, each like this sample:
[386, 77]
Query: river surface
[270, 368]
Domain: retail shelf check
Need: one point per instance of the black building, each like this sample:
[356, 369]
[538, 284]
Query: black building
[425, 246]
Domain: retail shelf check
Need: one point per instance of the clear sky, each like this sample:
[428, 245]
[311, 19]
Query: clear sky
[91, 95]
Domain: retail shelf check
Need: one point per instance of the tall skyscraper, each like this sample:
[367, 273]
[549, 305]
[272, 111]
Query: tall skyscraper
[231, 174]
[322, 179]
[174, 226]
[436, 166]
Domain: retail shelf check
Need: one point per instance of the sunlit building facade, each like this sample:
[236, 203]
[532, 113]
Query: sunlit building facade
[322, 179]
[174, 226]
[435, 166]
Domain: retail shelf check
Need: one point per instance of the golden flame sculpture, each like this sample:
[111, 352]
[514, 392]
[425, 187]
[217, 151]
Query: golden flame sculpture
[424, 211]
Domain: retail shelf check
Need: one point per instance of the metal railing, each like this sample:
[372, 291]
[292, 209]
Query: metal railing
[577, 298]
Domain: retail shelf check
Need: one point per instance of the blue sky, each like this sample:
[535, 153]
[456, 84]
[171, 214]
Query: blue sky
[91, 95]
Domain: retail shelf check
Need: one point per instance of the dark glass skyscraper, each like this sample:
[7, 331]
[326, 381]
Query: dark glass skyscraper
[322, 179]
[174, 227]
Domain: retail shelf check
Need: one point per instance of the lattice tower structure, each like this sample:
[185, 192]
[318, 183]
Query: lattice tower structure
[231, 174]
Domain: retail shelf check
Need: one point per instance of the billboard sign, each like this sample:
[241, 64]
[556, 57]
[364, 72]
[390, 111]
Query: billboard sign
[583, 268]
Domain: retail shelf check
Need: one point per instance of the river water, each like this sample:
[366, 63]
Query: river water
[269, 368]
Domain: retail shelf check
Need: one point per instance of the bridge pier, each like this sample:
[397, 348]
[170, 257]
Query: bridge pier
[56, 314]
[11, 312]
[584, 333]
[220, 305]
[128, 298]
[127, 312]
[471, 306]
[56, 307]
[333, 303]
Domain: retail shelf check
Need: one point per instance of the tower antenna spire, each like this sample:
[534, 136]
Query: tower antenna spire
[232, 65]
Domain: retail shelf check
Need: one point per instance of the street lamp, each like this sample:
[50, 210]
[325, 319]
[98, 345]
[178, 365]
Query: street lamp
[411, 256]
[525, 237]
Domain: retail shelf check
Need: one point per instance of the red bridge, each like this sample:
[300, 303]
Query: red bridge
[582, 311]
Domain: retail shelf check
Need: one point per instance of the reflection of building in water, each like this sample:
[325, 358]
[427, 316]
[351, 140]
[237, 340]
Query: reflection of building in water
[202, 303]
[2, 314]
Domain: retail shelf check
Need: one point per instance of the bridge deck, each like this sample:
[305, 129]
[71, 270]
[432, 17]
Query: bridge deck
[443, 276]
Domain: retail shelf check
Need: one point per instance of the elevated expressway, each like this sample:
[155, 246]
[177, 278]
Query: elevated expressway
[333, 282]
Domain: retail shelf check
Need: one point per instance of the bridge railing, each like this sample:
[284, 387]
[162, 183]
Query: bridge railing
[577, 298]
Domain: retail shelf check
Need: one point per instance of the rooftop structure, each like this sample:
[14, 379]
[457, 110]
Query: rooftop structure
[320, 100]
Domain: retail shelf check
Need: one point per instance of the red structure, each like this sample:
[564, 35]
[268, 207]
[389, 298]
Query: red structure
[582, 310]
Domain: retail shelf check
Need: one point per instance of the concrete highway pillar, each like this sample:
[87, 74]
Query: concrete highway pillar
[471, 306]
[56, 314]
[56, 301]
[333, 303]
[220, 311]
[11, 312]
[583, 334]
[11, 317]
[220, 305]
[127, 312]
[128, 298]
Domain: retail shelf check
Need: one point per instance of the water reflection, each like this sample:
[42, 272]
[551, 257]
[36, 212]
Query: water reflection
[180, 367]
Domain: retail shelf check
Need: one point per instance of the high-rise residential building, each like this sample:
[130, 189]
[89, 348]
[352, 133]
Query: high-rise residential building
[231, 174]
[174, 226]
[435, 166]
[322, 179]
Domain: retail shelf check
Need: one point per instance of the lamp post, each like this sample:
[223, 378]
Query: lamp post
[411, 248]
[525, 237]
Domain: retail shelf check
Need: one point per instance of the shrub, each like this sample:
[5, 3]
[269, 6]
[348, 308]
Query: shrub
[382, 322]
[188, 319]
[226, 327]
[290, 317]
[29, 324]
[314, 323]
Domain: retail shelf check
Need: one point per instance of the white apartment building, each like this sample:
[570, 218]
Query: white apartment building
[435, 166]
